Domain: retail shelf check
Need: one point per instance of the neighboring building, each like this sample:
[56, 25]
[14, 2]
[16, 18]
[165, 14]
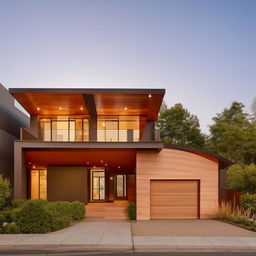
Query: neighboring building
[99, 145]
[11, 120]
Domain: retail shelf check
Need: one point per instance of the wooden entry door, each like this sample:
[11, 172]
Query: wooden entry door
[174, 199]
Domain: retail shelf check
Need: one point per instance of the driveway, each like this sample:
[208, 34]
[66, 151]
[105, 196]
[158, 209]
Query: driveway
[198, 228]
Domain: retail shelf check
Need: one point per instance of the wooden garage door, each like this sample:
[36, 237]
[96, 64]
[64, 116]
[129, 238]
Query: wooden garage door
[174, 199]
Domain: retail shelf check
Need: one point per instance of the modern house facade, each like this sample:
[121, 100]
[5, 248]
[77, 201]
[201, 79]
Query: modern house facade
[100, 145]
[11, 120]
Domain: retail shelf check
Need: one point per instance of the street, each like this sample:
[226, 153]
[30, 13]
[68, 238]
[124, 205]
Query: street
[75, 253]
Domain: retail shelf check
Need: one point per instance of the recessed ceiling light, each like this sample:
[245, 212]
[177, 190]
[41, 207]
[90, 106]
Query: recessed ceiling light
[125, 108]
[103, 124]
[106, 164]
[119, 167]
[149, 95]
[60, 108]
[38, 109]
[101, 161]
[81, 108]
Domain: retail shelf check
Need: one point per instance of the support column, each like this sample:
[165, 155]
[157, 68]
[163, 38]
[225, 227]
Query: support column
[20, 173]
[90, 105]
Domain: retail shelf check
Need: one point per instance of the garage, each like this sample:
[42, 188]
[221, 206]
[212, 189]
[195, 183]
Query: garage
[171, 199]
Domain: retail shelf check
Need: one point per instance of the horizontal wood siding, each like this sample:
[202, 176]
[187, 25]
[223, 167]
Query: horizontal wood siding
[171, 164]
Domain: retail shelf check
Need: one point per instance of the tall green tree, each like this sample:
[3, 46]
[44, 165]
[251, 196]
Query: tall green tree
[253, 108]
[178, 126]
[232, 135]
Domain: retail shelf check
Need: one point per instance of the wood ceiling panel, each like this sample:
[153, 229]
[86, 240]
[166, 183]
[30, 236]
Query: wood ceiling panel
[50, 103]
[128, 104]
[113, 158]
[109, 104]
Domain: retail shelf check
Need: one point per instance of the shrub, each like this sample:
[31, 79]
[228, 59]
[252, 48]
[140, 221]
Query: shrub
[5, 191]
[34, 217]
[18, 203]
[11, 228]
[237, 215]
[242, 178]
[75, 210]
[248, 201]
[131, 209]
[39, 216]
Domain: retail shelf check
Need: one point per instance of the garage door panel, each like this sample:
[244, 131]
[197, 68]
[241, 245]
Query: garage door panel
[173, 199]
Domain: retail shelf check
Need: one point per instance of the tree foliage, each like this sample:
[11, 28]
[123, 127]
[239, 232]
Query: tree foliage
[242, 178]
[178, 126]
[233, 135]
[253, 108]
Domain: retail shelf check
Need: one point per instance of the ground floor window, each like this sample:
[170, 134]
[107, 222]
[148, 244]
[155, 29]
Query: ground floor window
[38, 179]
[121, 185]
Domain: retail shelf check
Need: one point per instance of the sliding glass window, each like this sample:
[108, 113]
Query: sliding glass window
[122, 128]
[64, 129]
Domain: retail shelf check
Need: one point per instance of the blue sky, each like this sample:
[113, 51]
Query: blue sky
[202, 52]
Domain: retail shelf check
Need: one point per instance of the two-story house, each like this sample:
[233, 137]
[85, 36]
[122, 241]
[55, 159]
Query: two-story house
[99, 146]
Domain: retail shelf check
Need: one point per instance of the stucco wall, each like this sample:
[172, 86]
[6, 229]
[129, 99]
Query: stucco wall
[176, 164]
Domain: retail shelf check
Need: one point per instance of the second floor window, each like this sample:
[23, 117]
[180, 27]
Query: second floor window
[118, 129]
[64, 129]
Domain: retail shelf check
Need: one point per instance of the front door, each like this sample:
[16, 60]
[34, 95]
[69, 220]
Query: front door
[98, 185]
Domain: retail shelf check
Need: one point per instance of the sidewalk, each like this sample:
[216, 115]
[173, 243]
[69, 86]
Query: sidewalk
[166, 243]
[117, 236]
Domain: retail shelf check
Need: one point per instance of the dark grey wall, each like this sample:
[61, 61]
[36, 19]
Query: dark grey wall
[11, 120]
[67, 183]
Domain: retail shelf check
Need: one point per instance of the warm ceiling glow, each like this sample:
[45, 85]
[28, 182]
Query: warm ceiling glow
[119, 167]
[34, 167]
[38, 109]
[103, 124]
[106, 164]
[101, 161]
[81, 108]
[111, 178]
[125, 108]
[60, 108]
[149, 95]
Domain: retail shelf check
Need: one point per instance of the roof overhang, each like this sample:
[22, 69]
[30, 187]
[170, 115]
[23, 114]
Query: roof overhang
[111, 102]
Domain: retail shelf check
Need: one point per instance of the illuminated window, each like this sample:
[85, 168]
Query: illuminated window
[38, 184]
[122, 128]
[64, 128]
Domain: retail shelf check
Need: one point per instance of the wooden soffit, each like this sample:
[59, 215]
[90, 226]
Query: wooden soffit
[109, 102]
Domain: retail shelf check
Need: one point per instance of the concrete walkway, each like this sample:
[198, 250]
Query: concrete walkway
[117, 236]
[81, 236]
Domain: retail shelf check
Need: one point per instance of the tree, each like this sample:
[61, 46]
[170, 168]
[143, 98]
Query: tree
[178, 126]
[253, 108]
[232, 135]
[242, 178]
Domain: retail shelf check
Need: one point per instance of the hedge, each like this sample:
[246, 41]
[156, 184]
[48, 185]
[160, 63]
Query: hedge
[39, 216]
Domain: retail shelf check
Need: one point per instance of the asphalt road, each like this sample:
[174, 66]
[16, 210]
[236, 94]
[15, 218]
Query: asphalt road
[29, 253]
